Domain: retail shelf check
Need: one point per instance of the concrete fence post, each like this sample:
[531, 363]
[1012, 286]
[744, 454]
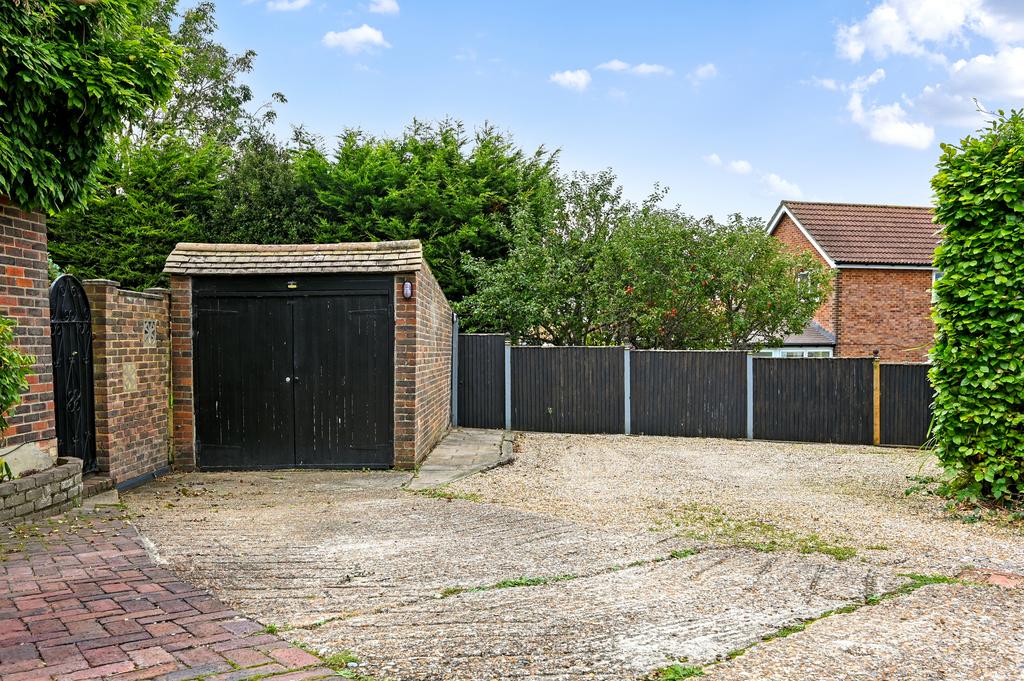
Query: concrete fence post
[508, 385]
[628, 397]
[455, 370]
[750, 397]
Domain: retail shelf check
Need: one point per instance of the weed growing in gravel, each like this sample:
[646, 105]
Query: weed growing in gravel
[709, 523]
[677, 671]
[446, 494]
[508, 584]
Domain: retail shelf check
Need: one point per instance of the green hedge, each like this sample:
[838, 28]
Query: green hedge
[978, 363]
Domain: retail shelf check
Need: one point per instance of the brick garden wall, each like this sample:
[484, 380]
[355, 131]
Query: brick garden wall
[887, 310]
[131, 363]
[433, 363]
[24, 297]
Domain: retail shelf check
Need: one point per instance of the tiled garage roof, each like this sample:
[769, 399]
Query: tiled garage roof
[869, 234]
[369, 257]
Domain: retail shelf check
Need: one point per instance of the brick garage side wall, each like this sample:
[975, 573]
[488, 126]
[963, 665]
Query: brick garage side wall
[182, 418]
[132, 377]
[24, 297]
[888, 310]
[433, 363]
[789, 234]
[405, 374]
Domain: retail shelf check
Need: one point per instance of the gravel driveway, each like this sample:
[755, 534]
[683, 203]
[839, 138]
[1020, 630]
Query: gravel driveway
[607, 558]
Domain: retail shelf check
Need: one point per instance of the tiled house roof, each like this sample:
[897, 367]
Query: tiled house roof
[226, 259]
[867, 234]
[813, 334]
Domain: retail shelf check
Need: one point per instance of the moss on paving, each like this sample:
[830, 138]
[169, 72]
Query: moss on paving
[443, 492]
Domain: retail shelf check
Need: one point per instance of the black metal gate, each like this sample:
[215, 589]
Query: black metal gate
[293, 372]
[71, 342]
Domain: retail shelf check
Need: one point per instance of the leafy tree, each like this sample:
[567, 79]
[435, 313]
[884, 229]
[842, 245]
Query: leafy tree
[70, 75]
[150, 198]
[262, 199]
[604, 270]
[209, 101]
[548, 288]
[761, 292]
[436, 183]
[978, 360]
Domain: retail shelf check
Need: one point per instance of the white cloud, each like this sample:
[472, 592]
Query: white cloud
[775, 184]
[993, 76]
[642, 69]
[614, 65]
[889, 124]
[384, 6]
[651, 70]
[577, 80]
[286, 5]
[923, 28]
[858, 84]
[740, 167]
[702, 73]
[781, 186]
[356, 40]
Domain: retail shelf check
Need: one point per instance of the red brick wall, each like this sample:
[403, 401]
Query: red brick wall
[183, 431]
[405, 374]
[789, 234]
[24, 297]
[433, 363]
[131, 364]
[888, 310]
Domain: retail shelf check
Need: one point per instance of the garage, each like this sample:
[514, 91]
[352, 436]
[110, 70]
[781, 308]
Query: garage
[307, 356]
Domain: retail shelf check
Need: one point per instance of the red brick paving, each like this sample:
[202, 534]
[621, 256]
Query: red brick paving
[81, 599]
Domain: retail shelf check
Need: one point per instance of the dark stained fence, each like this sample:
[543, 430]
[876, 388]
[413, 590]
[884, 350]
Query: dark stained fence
[695, 394]
[568, 390]
[906, 404]
[481, 380]
[814, 400]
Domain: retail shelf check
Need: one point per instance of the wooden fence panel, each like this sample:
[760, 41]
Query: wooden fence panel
[481, 379]
[814, 400]
[906, 408]
[693, 394]
[568, 389]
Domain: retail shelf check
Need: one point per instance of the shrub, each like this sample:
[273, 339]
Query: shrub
[978, 361]
[14, 370]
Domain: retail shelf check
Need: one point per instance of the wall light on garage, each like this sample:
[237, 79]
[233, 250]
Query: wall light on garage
[407, 290]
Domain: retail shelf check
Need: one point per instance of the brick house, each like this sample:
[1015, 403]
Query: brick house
[319, 356]
[881, 295]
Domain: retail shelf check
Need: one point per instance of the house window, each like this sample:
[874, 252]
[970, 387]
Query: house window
[936, 275]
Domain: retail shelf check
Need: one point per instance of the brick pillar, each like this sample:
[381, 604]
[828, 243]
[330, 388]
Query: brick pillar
[24, 297]
[405, 374]
[101, 294]
[181, 373]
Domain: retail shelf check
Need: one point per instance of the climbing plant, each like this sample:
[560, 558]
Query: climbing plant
[14, 370]
[72, 73]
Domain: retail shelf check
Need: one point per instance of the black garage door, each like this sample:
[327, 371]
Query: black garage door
[293, 371]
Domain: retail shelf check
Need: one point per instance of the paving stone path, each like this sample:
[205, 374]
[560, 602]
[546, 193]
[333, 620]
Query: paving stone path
[80, 598]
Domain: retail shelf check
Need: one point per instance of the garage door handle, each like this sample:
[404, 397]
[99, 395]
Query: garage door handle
[287, 379]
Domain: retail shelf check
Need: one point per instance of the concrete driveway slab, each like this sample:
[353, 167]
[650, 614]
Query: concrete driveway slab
[615, 625]
[297, 548]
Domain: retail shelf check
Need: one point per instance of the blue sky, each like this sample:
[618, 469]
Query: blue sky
[732, 105]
